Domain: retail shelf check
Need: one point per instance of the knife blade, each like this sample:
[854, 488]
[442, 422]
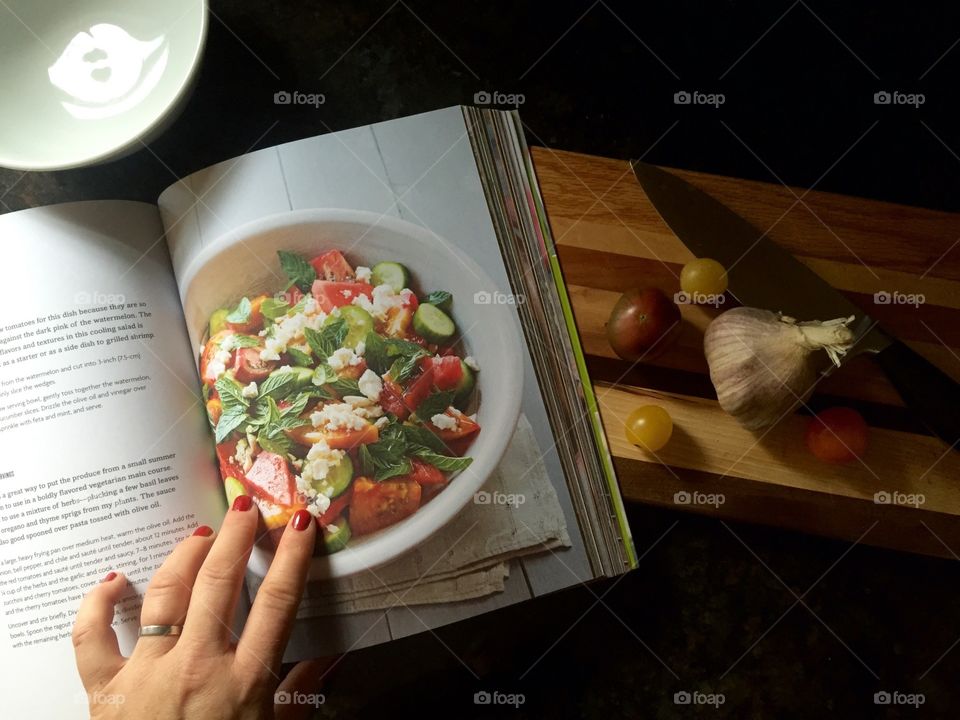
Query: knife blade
[762, 274]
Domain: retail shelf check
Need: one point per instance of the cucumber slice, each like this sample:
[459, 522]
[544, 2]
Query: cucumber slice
[303, 375]
[337, 540]
[340, 476]
[234, 489]
[433, 324]
[464, 388]
[390, 273]
[359, 324]
[218, 321]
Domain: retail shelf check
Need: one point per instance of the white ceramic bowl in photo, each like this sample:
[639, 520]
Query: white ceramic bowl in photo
[85, 81]
[244, 263]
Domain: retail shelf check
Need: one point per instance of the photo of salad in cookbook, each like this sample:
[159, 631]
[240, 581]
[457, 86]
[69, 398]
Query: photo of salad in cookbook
[344, 393]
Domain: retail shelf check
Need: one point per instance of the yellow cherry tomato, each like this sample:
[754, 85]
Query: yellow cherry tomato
[650, 427]
[703, 276]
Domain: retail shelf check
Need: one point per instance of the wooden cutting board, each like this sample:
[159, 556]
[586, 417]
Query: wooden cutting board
[610, 238]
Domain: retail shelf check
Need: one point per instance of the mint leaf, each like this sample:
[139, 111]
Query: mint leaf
[328, 339]
[243, 341]
[297, 270]
[299, 357]
[345, 386]
[434, 404]
[418, 437]
[376, 353]
[277, 385]
[241, 313]
[403, 467]
[404, 367]
[231, 394]
[273, 308]
[367, 465]
[441, 298]
[446, 463]
[229, 421]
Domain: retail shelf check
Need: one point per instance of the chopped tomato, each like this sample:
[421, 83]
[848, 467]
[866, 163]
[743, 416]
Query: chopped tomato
[465, 427]
[447, 370]
[255, 322]
[248, 367]
[336, 508]
[214, 410]
[426, 474]
[398, 321]
[332, 265]
[378, 505]
[354, 371]
[228, 466]
[391, 400]
[418, 389]
[270, 479]
[276, 518]
[209, 350]
[346, 439]
[331, 293]
[411, 302]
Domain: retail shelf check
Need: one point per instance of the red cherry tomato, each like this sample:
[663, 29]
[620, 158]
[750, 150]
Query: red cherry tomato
[642, 321]
[837, 435]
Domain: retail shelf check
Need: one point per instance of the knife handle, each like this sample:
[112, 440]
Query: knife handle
[929, 392]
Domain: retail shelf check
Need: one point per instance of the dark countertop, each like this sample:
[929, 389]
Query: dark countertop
[783, 625]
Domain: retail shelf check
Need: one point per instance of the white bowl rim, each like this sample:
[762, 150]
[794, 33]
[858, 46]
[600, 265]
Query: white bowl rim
[447, 504]
[156, 122]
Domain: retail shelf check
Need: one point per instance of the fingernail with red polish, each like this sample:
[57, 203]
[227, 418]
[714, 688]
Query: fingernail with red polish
[203, 531]
[110, 576]
[242, 503]
[302, 520]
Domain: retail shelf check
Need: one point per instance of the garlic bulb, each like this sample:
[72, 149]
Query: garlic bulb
[762, 364]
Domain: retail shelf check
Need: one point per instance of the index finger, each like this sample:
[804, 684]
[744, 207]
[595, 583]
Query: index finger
[268, 627]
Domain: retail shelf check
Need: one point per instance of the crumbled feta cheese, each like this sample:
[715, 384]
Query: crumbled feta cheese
[361, 348]
[342, 358]
[310, 306]
[471, 363]
[370, 384]
[406, 296]
[218, 364]
[249, 391]
[384, 298]
[317, 465]
[339, 416]
[347, 293]
[444, 422]
[382, 422]
[287, 331]
[331, 528]
[243, 454]
[363, 274]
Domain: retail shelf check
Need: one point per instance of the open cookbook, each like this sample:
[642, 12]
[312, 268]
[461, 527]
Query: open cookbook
[369, 324]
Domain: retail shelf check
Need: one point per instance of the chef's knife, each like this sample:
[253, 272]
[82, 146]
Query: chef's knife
[764, 275]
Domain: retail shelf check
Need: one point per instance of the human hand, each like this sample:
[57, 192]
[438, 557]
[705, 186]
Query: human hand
[203, 674]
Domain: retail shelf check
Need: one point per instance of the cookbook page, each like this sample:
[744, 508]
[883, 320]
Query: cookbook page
[407, 193]
[106, 459]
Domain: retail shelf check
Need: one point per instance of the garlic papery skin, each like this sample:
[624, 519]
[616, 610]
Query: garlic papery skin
[763, 365]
